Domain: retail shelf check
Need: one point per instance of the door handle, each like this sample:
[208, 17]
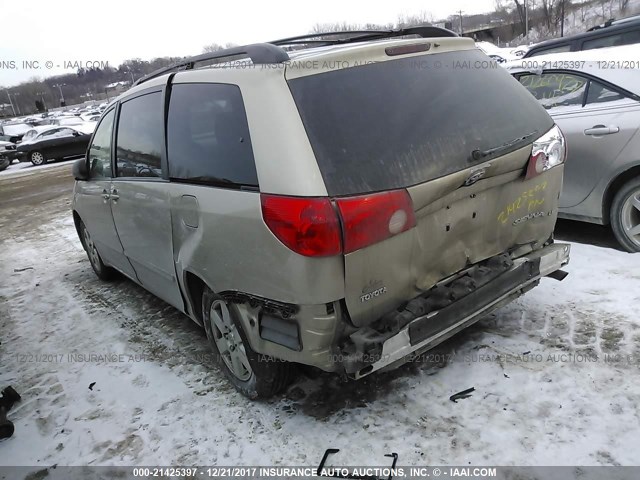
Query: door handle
[105, 195]
[114, 195]
[598, 130]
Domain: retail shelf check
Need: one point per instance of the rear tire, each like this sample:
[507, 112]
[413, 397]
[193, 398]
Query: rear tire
[6, 429]
[253, 375]
[101, 270]
[37, 158]
[625, 216]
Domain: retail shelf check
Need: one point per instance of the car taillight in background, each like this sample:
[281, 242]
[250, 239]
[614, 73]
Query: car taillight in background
[322, 227]
[550, 150]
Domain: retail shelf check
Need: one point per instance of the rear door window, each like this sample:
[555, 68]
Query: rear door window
[208, 136]
[402, 122]
[140, 137]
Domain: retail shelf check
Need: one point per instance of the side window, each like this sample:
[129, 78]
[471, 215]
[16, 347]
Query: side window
[560, 49]
[139, 137]
[602, 42]
[208, 136]
[62, 132]
[599, 93]
[556, 89]
[49, 134]
[100, 149]
[631, 37]
[625, 38]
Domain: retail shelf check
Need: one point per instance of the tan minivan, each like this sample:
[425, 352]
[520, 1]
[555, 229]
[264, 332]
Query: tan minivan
[343, 202]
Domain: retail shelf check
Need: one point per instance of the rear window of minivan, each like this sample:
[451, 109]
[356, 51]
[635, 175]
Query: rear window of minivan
[403, 122]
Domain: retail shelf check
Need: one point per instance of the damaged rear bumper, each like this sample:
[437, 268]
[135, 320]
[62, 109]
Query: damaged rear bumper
[448, 308]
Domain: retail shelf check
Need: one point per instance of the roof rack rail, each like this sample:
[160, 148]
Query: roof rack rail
[259, 53]
[424, 31]
[271, 52]
[606, 24]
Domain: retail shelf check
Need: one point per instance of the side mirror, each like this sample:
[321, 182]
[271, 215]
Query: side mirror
[76, 134]
[80, 170]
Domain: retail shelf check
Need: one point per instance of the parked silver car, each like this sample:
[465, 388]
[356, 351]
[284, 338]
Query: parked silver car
[594, 97]
[344, 207]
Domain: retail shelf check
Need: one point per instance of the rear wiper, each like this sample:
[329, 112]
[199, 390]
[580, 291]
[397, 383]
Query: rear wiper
[480, 154]
[216, 181]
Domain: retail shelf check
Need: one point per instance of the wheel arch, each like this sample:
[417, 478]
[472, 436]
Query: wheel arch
[77, 221]
[614, 186]
[194, 286]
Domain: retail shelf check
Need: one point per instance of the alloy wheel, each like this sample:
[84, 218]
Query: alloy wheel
[92, 251]
[228, 340]
[37, 158]
[631, 217]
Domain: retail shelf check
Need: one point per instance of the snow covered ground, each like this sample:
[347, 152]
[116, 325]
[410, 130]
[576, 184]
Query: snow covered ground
[110, 375]
[28, 167]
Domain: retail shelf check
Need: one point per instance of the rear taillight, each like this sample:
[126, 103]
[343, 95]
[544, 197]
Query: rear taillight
[550, 150]
[310, 226]
[369, 219]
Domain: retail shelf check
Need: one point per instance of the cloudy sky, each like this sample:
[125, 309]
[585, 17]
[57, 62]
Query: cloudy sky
[66, 32]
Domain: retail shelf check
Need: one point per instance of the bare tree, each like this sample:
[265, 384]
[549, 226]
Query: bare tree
[602, 4]
[553, 12]
[547, 12]
[335, 27]
[559, 14]
[584, 8]
[623, 5]
[421, 18]
[522, 15]
[214, 47]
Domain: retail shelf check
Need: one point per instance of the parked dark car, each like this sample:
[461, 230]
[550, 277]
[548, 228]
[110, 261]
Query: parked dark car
[613, 33]
[8, 148]
[4, 162]
[14, 131]
[54, 143]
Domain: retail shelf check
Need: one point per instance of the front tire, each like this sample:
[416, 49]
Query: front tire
[37, 158]
[253, 375]
[101, 270]
[625, 216]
